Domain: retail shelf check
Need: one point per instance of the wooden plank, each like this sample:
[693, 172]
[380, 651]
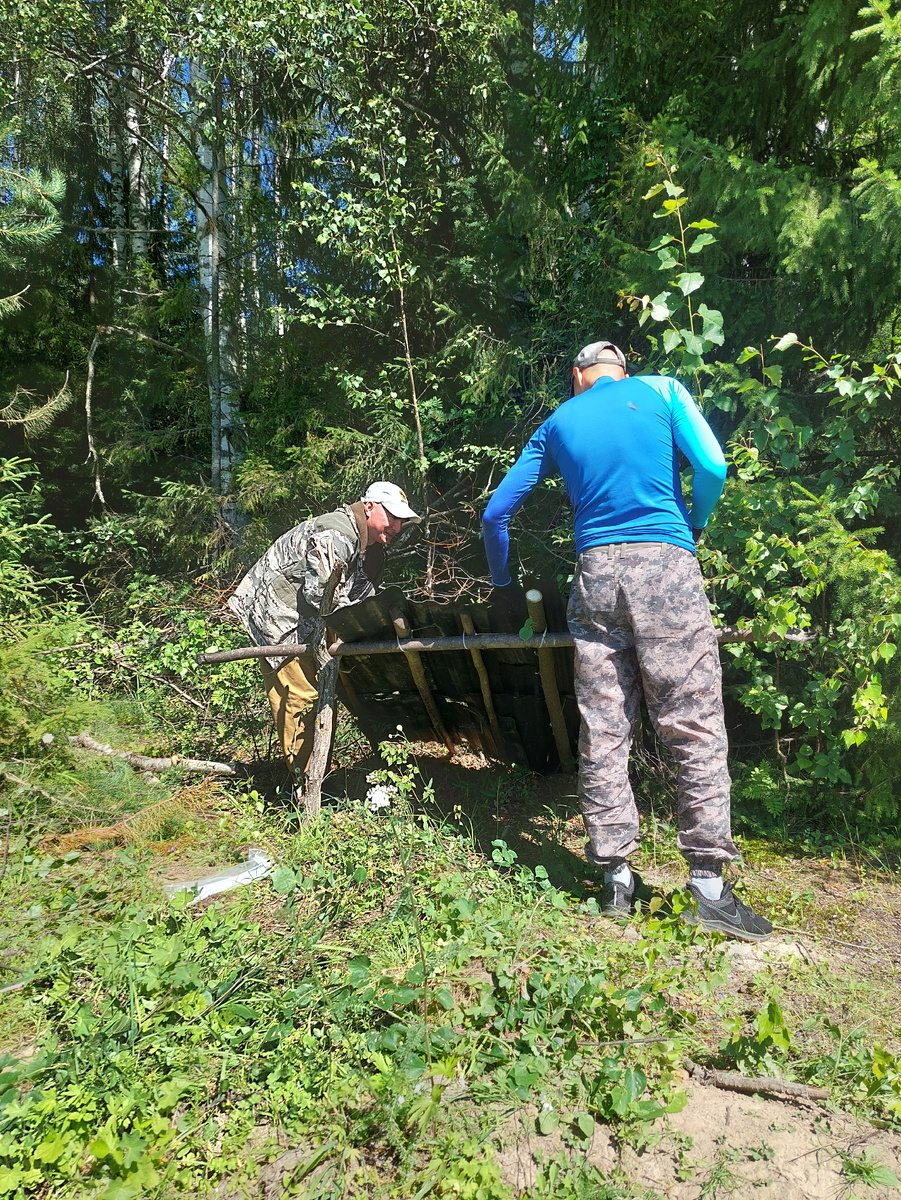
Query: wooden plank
[417, 670]
[487, 699]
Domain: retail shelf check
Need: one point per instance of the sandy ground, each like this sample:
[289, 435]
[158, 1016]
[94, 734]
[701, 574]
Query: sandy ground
[723, 1143]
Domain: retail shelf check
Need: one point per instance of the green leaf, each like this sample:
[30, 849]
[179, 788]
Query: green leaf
[660, 309]
[548, 1122]
[688, 282]
[711, 316]
[774, 375]
[703, 224]
[663, 240]
[584, 1123]
[527, 630]
[673, 189]
[702, 240]
[51, 1150]
[671, 339]
[634, 1082]
[654, 191]
[284, 881]
[693, 343]
[747, 354]
[358, 970]
[884, 1177]
[787, 339]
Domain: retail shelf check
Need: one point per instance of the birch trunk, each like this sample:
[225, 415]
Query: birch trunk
[117, 193]
[212, 243]
[138, 198]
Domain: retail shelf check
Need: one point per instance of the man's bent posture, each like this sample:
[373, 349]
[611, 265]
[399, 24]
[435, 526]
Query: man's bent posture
[279, 598]
[638, 615]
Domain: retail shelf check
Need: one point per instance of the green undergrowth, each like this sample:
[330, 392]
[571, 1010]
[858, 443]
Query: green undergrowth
[381, 1005]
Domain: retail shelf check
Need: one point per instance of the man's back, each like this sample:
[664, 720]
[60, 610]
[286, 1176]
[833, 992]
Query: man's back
[615, 446]
[615, 449]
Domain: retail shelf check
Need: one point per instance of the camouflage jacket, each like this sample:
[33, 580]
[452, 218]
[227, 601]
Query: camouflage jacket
[278, 599]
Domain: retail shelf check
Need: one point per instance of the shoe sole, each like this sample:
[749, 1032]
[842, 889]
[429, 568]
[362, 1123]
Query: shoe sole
[743, 935]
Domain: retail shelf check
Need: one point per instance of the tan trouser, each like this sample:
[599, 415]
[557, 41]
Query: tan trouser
[292, 697]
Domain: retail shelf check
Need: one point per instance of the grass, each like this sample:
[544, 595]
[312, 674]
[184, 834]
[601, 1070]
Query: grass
[411, 981]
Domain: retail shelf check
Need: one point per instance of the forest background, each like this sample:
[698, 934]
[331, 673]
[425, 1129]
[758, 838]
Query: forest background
[256, 256]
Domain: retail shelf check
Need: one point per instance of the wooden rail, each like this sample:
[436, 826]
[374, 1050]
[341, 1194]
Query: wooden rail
[480, 641]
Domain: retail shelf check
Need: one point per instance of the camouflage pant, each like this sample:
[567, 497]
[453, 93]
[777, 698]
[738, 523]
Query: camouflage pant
[641, 622]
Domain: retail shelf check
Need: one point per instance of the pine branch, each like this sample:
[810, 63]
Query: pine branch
[37, 420]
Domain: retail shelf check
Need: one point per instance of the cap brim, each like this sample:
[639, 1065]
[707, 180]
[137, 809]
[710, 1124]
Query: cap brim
[401, 511]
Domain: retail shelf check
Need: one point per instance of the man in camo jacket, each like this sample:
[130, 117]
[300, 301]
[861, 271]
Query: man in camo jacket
[639, 617]
[278, 600]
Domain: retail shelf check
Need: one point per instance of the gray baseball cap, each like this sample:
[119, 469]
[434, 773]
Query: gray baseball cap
[600, 352]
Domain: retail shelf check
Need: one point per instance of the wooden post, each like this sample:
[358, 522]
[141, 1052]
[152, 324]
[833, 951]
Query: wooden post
[487, 699]
[310, 791]
[535, 602]
[417, 670]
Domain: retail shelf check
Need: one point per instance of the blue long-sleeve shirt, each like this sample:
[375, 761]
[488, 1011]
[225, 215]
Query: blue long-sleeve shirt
[616, 447]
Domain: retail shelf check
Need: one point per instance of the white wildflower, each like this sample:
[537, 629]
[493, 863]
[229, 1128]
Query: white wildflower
[380, 796]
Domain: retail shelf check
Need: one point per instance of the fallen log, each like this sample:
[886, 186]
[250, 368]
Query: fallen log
[482, 641]
[144, 763]
[765, 1086]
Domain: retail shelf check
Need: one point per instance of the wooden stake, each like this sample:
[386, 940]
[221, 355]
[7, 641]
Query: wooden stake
[535, 602]
[417, 670]
[310, 791]
[487, 699]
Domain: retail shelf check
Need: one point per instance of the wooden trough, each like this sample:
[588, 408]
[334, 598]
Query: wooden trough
[460, 673]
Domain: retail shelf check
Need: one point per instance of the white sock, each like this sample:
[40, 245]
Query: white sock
[621, 875]
[710, 889]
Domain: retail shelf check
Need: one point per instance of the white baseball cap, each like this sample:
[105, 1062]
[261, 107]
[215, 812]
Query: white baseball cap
[393, 499]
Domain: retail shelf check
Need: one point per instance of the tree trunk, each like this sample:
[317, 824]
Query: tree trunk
[138, 199]
[212, 242]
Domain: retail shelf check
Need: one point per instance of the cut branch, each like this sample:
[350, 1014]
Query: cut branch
[483, 641]
[142, 762]
[765, 1086]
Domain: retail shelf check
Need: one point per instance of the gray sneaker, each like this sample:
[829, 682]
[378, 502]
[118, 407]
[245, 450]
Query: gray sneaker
[727, 915]
[618, 899]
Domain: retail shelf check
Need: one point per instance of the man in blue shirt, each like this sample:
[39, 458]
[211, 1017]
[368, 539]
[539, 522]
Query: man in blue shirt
[638, 614]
